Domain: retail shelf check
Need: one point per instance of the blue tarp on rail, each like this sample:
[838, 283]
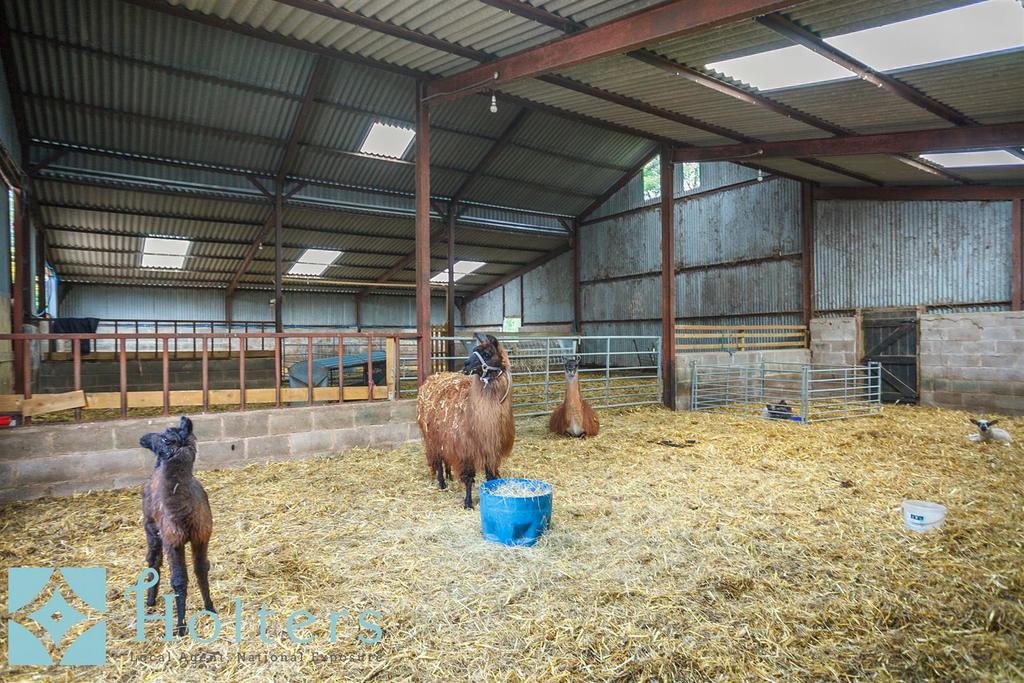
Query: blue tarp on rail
[322, 368]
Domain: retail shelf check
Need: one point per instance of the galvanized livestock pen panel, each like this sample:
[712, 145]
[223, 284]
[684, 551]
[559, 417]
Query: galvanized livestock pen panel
[615, 371]
[810, 393]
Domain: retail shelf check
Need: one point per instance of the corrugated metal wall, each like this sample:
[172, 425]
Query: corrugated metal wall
[8, 129]
[542, 297]
[300, 309]
[877, 254]
[740, 250]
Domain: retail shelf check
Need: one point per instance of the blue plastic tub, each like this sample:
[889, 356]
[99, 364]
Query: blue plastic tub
[515, 520]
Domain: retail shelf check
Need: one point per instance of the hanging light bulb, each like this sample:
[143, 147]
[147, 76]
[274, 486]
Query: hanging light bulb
[494, 104]
[760, 175]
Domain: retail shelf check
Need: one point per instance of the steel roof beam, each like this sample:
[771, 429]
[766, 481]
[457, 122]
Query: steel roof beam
[274, 217]
[721, 131]
[541, 16]
[619, 184]
[977, 193]
[800, 35]
[496, 149]
[929, 140]
[631, 32]
[58, 227]
[724, 88]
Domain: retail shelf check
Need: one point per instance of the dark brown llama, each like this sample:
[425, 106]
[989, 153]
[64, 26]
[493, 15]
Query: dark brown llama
[574, 416]
[176, 511]
[466, 420]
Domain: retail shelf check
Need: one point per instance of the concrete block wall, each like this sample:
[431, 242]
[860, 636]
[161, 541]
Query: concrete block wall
[683, 361]
[834, 341]
[973, 361]
[57, 460]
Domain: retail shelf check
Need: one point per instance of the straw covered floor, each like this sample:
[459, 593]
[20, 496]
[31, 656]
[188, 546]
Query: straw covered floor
[684, 546]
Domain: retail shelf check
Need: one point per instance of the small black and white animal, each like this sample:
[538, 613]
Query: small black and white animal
[986, 432]
[780, 411]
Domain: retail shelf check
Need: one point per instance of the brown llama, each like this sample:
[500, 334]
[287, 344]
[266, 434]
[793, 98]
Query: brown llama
[466, 419]
[574, 416]
[176, 511]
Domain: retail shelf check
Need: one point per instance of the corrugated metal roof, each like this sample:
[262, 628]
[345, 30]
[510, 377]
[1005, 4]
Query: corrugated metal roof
[646, 83]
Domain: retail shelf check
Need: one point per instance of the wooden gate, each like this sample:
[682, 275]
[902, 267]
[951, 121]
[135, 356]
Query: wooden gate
[890, 339]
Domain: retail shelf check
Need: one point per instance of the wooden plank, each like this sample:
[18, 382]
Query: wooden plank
[756, 333]
[111, 400]
[759, 345]
[40, 404]
[739, 327]
[10, 403]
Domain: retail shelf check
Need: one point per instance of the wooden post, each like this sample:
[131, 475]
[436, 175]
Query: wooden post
[1017, 258]
[422, 234]
[668, 280]
[450, 346]
[807, 250]
[278, 251]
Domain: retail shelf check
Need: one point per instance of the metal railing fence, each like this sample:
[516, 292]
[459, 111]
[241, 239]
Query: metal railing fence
[814, 393]
[612, 372]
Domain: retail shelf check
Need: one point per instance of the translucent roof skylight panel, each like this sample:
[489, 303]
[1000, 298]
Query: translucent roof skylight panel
[162, 261]
[785, 68]
[387, 140]
[976, 29]
[307, 269]
[991, 157]
[161, 245]
[320, 256]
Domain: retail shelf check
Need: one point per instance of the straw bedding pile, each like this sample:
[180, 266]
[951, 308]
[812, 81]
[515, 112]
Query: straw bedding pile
[766, 550]
[519, 489]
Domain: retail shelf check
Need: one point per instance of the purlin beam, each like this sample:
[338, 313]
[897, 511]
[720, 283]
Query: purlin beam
[661, 22]
[541, 16]
[931, 139]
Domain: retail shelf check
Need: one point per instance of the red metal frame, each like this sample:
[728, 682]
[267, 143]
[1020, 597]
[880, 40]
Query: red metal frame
[163, 343]
[658, 23]
[933, 140]
[668, 280]
[423, 236]
[1017, 257]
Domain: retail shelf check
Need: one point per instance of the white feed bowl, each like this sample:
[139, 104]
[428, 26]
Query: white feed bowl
[922, 515]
